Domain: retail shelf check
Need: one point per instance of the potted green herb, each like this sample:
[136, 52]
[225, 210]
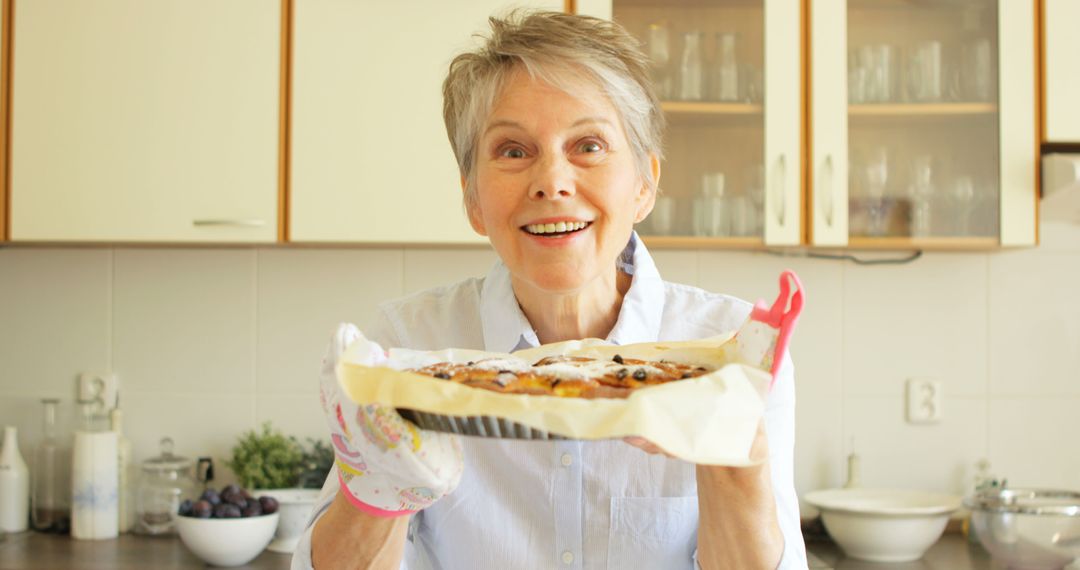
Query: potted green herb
[270, 463]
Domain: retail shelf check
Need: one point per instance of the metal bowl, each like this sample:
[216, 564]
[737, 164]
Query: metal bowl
[1029, 529]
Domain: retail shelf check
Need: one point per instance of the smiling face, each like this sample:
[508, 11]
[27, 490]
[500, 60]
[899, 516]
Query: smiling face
[557, 188]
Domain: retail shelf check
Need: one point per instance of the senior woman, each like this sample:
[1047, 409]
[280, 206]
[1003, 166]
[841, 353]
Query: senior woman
[557, 133]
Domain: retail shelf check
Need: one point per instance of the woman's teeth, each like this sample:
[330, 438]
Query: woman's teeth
[556, 228]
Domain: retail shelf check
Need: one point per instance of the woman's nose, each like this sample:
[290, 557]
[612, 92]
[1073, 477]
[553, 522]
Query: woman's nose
[553, 179]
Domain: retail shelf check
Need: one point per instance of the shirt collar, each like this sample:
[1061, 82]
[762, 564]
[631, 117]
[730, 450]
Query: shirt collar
[506, 329]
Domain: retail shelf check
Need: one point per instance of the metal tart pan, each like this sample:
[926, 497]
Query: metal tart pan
[477, 426]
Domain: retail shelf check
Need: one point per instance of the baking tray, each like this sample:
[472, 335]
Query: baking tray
[478, 426]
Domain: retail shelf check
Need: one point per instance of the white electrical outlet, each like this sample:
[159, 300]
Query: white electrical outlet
[924, 399]
[98, 387]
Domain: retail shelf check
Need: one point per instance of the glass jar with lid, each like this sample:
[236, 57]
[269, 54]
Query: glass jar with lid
[165, 481]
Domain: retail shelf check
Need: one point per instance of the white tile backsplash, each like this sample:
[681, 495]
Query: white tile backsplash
[199, 424]
[302, 296]
[895, 454]
[1034, 319]
[1031, 441]
[184, 321]
[211, 342]
[427, 268]
[54, 318]
[924, 319]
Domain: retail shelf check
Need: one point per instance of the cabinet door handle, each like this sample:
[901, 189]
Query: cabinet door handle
[220, 222]
[778, 185]
[825, 182]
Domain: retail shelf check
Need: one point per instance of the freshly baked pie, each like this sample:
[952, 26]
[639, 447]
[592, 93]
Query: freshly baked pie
[566, 376]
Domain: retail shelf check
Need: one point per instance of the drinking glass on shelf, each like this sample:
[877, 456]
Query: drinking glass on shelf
[921, 196]
[925, 80]
[753, 177]
[659, 49]
[724, 75]
[882, 76]
[692, 71]
[753, 83]
[975, 70]
[876, 177]
[710, 213]
[962, 204]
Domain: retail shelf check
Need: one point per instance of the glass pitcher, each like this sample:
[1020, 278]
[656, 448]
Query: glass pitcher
[165, 481]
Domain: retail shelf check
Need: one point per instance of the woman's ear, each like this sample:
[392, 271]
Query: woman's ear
[472, 210]
[647, 195]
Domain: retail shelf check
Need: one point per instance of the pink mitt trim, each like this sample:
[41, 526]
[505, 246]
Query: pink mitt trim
[781, 316]
[373, 511]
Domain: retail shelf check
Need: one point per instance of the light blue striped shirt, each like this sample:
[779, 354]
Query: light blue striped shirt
[572, 504]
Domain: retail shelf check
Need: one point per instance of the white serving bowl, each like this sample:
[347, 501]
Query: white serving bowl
[227, 542]
[1028, 528]
[884, 525]
[295, 506]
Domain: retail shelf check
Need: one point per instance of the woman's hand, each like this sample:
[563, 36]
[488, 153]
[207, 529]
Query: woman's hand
[737, 522]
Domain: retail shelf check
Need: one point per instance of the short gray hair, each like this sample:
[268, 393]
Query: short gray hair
[556, 48]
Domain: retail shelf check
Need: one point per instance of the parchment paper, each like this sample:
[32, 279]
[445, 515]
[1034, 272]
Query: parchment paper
[711, 419]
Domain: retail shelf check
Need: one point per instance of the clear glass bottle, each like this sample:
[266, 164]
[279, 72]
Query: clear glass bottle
[51, 484]
[691, 72]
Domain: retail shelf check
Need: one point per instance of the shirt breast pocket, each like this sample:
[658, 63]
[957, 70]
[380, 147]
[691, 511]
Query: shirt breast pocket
[652, 532]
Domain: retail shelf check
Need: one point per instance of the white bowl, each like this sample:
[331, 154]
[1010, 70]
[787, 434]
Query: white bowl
[227, 542]
[295, 506]
[884, 525]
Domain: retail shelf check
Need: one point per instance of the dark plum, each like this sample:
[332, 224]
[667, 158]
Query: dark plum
[185, 508]
[253, 509]
[211, 496]
[226, 511]
[269, 505]
[234, 498]
[202, 509]
[229, 489]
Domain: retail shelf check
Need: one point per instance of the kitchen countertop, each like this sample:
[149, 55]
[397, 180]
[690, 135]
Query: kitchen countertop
[41, 551]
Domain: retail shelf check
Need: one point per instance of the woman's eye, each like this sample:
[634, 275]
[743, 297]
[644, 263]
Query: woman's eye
[512, 152]
[590, 147]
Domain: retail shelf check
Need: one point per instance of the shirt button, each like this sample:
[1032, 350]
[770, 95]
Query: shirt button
[567, 460]
[567, 557]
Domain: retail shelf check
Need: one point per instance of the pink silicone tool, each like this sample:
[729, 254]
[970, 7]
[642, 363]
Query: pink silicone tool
[782, 315]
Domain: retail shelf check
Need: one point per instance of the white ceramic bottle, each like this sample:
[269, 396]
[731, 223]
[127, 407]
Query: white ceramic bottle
[94, 482]
[14, 485]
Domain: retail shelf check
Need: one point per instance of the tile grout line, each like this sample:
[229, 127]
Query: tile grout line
[843, 387]
[989, 324]
[110, 329]
[255, 338]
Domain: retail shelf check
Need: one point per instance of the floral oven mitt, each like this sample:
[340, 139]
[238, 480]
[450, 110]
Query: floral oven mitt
[386, 466]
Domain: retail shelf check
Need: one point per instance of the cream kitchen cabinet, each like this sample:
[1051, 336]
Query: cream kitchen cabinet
[139, 121]
[729, 74]
[370, 157]
[923, 122]
[1062, 53]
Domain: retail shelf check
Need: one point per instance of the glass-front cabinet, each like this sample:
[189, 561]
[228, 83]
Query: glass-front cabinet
[731, 170]
[842, 123]
[923, 128]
